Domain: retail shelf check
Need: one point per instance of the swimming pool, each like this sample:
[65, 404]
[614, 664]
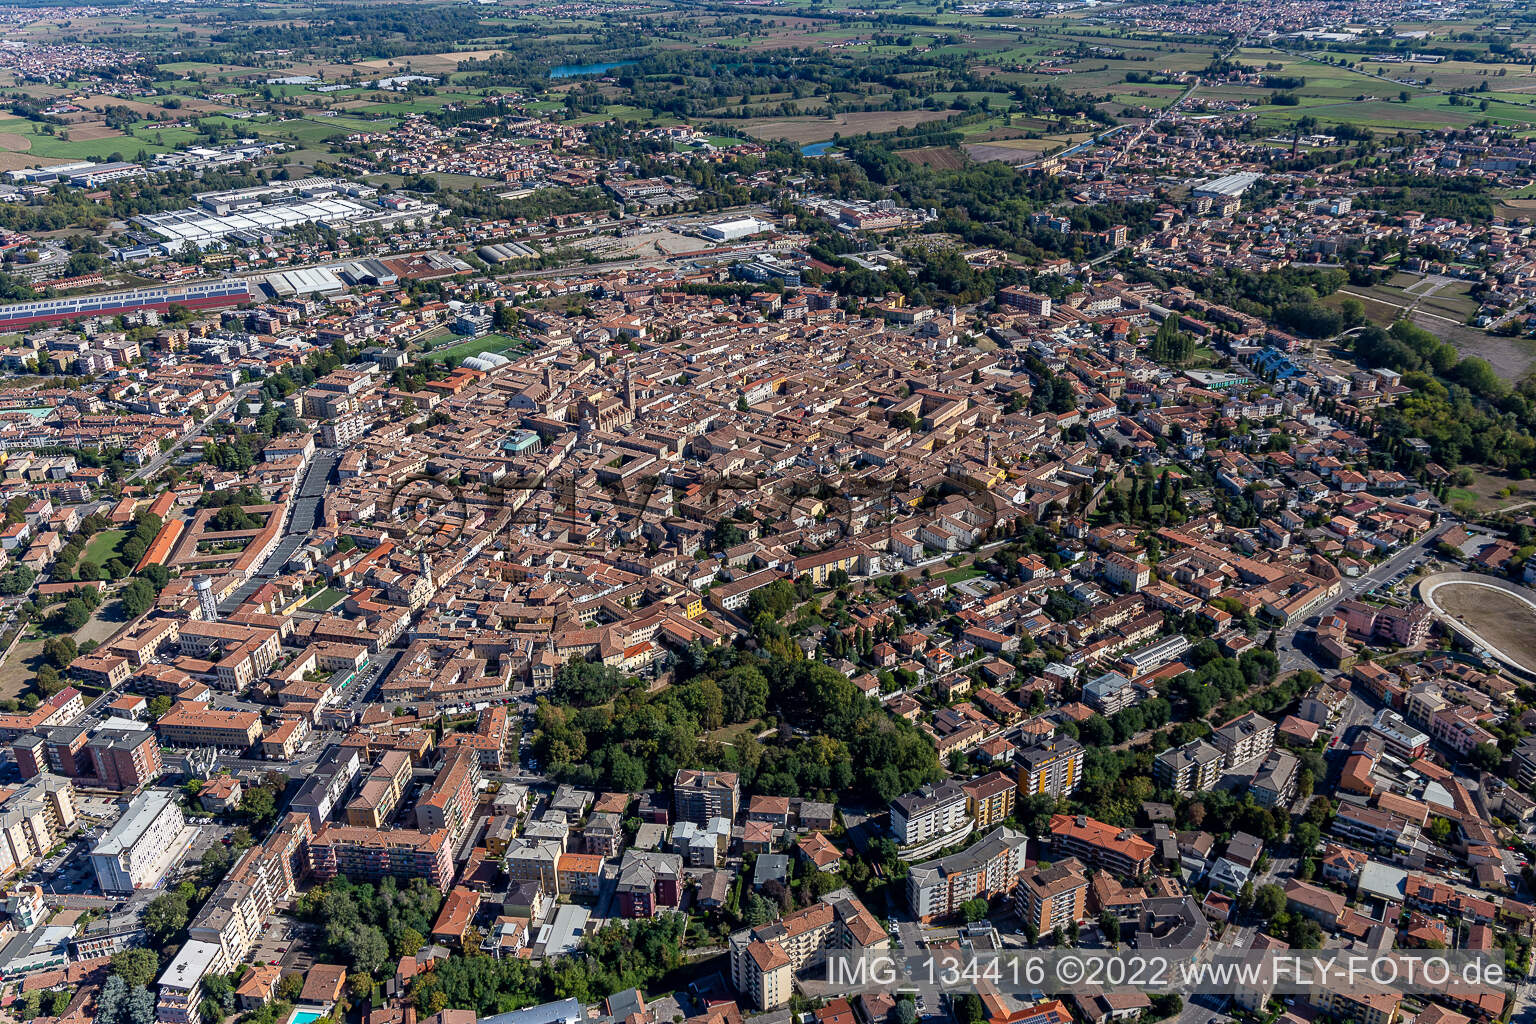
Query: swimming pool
[304, 1016]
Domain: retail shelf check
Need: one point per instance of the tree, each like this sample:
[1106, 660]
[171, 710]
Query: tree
[1268, 901]
[17, 581]
[166, 916]
[259, 803]
[159, 705]
[974, 910]
[366, 949]
[72, 615]
[112, 1003]
[141, 1006]
[407, 941]
[289, 987]
[1486, 757]
[137, 966]
[138, 597]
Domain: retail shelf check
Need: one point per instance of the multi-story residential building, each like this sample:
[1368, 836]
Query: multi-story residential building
[579, 874]
[1023, 299]
[1362, 1005]
[649, 880]
[1524, 761]
[1274, 784]
[366, 854]
[1373, 825]
[333, 773]
[990, 798]
[1110, 693]
[34, 818]
[1192, 768]
[181, 984]
[59, 749]
[284, 739]
[449, 802]
[488, 741]
[237, 912]
[764, 960]
[381, 790]
[1096, 843]
[935, 813]
[1406, 627]
[125, 758]
[1244, 738]
[244, 653]
[604, 834]
[60, 709]
[987, 868]
[1051, 768]
[121, 755]
[190, 724]
[1401, 739]
[535, 860]
[700, 795]
[141, 845]
[1053, 897]
[1125, 572]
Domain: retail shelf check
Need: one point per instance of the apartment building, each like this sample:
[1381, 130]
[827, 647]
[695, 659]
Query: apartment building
[1244, 738]
[1052, 768]
[1363, 1005]
[698, 796]
[60, 709]
[1053, 897]
[190, 724]
[139, 847]
[531, 859]
[648, 880]
[125, 758]
[181, 983]
[1274, 784]
[488, 741]
[244, 653]
[366, 854]
[764, 960]
[989, 800]
[1110, 693]
[449, 802]
[1125, 572]
[236, 913]
[987, 868]
[323, 790]
[934, 813]
[285, 738]
[1192, 768]
[381, 790]
[1099, 844]
[121, 755]
[34, 818]
[1401, 739]
[1371, 623]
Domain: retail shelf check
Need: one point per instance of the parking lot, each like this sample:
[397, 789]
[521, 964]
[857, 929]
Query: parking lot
[278, 940]
[69, 872]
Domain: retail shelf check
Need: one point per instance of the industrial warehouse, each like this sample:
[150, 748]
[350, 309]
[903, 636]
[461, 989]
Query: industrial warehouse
[257, 216]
